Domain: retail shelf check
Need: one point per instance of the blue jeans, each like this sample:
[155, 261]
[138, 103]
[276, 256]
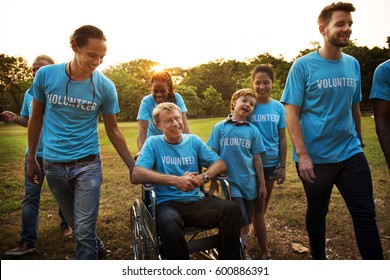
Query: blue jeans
[210, 212]
[352, 177]
[76, 189]
[30, 207]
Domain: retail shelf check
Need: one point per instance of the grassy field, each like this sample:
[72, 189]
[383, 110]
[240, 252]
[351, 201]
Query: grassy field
[285, 218]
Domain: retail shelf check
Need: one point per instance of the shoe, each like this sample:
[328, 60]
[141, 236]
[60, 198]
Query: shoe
[101, 254]
[67, 232]
[22, 249]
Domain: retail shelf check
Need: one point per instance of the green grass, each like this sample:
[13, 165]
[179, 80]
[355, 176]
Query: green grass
[285, 216]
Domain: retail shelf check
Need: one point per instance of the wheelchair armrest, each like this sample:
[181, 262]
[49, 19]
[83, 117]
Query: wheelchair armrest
[225, 186]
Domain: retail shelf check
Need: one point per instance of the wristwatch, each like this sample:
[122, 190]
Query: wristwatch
[206, 178]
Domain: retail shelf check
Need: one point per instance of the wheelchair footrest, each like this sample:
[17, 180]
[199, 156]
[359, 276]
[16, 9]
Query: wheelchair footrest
[202, 244]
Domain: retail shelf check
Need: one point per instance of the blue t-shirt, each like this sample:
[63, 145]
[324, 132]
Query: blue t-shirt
[70, 129]
[236, 145]
[146, 109]
[176, 159]
[381, 82]
[269, 118]
[325, 91]
[26, 113]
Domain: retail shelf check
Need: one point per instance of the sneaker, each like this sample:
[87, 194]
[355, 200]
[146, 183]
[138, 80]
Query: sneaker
[22, 249]
[67, 232]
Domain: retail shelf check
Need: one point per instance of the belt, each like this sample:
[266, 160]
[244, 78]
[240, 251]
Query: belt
[80, 160]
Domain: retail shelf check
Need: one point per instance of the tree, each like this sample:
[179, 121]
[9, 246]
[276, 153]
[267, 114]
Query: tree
[213, 104]
[15, 79]
[191, 100]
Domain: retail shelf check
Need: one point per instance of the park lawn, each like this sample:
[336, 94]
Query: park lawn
[285, 216]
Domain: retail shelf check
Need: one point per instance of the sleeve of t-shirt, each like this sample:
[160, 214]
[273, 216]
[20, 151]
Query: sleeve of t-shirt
[257, 142]
[144, 113]
[146, 157]
[295, 85]
[110, 105]
[180, 103]
[206, 156]
[214, 138]
[282, 119]
[25, 112]
[357, 97]
[37, 89]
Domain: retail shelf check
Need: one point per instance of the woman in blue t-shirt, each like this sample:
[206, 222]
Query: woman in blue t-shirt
[162, 91]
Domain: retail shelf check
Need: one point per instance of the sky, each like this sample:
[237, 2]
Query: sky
[181, 33]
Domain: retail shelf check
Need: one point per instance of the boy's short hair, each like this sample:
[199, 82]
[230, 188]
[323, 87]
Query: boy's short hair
[327, 12]
[169, 106]
[238, 94]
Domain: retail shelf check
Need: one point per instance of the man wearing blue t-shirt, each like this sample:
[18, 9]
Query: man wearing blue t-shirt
[68, 98]
[32, 192]
[321, 98]
[380, 95]
[171, 163]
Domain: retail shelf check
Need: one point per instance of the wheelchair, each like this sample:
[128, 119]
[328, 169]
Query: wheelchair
[145, 242]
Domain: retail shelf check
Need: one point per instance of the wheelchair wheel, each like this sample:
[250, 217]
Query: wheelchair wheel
[138, 237]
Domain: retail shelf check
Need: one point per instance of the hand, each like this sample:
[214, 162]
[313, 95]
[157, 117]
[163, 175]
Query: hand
[262, 193]
[188, 182]
[306, 169]
[8, 116]
[281, 175]
[34, 172]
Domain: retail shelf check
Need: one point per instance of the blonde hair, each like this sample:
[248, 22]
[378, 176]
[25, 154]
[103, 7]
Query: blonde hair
[169, 106]
[238, 94]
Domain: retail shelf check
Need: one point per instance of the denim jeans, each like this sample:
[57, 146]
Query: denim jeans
[352, 177]
[173, 216]
[76, 189]
[30, 207]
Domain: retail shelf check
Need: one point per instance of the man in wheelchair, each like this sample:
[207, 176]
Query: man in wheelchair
[171, 163]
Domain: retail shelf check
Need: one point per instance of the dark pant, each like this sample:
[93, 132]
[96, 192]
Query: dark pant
[352, 177]
[209, 212]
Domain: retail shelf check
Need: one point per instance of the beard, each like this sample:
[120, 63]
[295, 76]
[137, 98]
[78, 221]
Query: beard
[337, 42]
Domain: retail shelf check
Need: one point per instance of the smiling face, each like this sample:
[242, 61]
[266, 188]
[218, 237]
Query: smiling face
[339, 29]
[262, 84]
[89, 57]
[171, 123]
[160, 91]
[243, 107]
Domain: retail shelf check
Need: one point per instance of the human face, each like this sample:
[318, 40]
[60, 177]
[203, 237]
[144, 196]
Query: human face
[160, 91]
[339, 29]
[262, 84]
[38, 64]
[243, 107]
[89, 57]
[171, 123]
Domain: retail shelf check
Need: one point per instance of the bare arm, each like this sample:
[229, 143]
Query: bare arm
[11, 117]
[281, 176]
[258, 165]
[141, 175]
[34, 133]
[117, 140]
[382, 126]
[357, 119]
[306, 167]
[142, 129]
[186, 129]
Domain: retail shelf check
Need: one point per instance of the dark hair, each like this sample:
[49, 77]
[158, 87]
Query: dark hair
[263, 68]
[327, 12]
[81, 35]
[165, 78]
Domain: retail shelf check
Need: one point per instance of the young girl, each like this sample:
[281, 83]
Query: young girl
[162, 91]
[269, 118]
[239, 144]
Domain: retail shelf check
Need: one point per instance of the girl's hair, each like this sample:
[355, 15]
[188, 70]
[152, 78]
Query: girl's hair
[326, 13]
[263, 68]
[165, 78]
[81, 35]
[238, 94]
